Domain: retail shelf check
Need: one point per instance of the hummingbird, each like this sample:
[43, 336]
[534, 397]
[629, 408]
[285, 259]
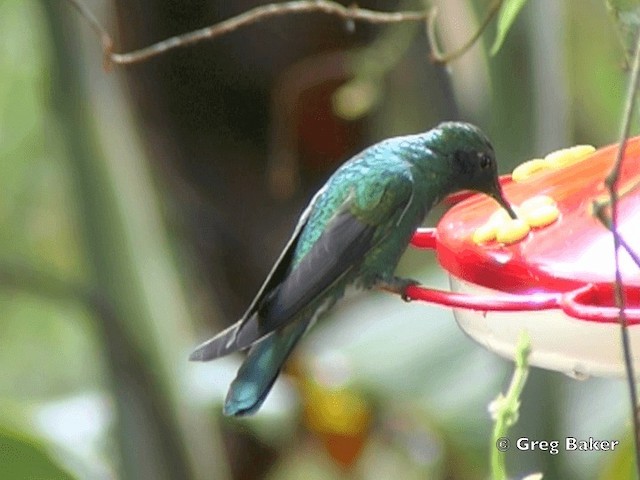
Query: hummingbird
[352, 233]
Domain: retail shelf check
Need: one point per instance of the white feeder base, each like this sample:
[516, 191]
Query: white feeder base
[559, 342]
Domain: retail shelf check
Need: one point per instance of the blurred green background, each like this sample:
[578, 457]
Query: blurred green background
[141, 209]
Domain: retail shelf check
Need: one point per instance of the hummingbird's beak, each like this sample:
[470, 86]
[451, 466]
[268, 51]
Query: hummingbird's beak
[498, 196]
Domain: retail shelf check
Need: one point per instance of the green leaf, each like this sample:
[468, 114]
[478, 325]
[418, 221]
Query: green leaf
[621, 463]
[23, 457]
[626, 14]
[507, 15]
[623, 5]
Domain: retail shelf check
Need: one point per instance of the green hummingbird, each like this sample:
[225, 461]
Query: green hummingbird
[353, 232]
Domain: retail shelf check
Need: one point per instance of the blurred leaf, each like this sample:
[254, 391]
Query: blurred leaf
[624, 6]
[507, 15]
[24, 457]
[622, 463]
[41, 343]
[626, 14]
[597, 85]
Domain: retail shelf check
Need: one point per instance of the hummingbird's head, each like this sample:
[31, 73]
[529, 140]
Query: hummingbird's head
[470, 158]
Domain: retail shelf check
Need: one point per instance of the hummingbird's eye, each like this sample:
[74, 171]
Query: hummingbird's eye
[485, 161]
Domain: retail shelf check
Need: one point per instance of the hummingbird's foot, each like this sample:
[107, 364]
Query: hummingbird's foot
[396, 285]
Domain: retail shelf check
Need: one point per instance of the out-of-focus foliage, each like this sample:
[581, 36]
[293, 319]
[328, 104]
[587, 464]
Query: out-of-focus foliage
[626, 14]
[24, 457]
[405, 391]
[47, 347]
[506, 16]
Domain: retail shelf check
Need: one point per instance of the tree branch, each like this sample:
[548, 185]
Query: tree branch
[600, 213]
[249, 17]
[611, 183]
[443, 58]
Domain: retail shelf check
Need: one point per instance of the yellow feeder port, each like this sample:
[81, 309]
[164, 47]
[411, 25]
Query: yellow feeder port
[567, 156]
[528, 169]
[541, 216]
[512, 231]
[555, 160]
[535, 212]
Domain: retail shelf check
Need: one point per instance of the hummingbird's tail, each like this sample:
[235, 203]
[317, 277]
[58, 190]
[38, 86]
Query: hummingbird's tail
[261, 368]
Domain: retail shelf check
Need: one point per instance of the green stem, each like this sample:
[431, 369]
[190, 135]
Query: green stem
[505, 409]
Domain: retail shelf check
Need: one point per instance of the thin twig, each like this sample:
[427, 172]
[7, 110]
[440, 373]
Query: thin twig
[601, 214]
[105, 38]
[632, 253]
[443, 58]
[611, 182]
[249, 17]
[605, 200]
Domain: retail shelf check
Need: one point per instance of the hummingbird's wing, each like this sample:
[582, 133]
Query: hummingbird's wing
[225, 342]
[339, 248]
[345, 240]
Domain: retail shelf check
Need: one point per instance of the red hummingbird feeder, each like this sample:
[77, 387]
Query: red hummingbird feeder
[554, 278]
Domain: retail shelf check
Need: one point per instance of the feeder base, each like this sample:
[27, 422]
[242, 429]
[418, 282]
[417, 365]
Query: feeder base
[559, 342]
